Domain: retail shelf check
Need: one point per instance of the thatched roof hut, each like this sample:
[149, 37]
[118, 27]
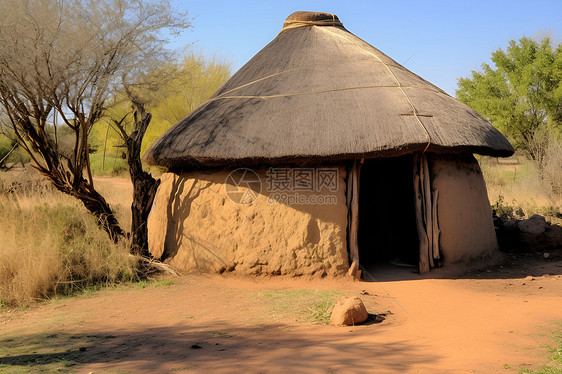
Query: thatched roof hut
[319, 95]
[320, 92]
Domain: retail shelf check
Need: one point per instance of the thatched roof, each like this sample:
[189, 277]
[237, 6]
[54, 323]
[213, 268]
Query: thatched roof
[318, 92]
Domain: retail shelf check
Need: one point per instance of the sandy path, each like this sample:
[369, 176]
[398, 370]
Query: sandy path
[450, 325]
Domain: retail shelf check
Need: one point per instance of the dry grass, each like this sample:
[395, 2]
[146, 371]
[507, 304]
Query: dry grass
[519, 183]
[118, 191]
[553, 166]
[50, 245]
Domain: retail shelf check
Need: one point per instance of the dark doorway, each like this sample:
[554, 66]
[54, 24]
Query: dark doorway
[387, 216]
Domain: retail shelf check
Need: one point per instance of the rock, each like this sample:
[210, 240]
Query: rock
[553, 236]
[349, 311]
[535, 225]
[530, 235]
[546, 255]
[511, 224]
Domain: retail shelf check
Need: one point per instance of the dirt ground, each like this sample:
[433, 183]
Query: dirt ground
[447, 321]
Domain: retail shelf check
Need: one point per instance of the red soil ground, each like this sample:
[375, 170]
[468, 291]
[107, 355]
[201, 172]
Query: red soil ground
[447, 321]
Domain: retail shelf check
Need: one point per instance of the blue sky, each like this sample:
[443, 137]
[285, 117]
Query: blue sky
[438, 40]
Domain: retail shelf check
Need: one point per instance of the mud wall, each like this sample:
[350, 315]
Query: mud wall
[464, 213]
[207, 222]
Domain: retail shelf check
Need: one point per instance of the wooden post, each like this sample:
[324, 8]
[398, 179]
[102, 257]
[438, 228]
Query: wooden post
[354, 221]
[426, 194]
[436, 230]
[424, 249]
[349, 193]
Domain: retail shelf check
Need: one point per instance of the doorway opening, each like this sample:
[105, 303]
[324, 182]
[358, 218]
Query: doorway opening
[387, 214]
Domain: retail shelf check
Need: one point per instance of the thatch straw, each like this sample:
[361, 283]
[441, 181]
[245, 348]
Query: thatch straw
[321, 93]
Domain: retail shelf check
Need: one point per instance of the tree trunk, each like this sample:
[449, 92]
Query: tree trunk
[96, 204]
[144, 190]
[144, 185]
[65, 176]
[92, 200]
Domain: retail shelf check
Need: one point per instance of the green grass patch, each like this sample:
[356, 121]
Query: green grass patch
[161, 283]
[554, 365]
[304, 304]
[154, 283]
[46, 352]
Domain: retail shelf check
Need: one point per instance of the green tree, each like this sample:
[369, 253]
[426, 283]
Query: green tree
[522, 94]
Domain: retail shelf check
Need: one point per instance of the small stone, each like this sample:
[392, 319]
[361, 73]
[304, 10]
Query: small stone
[546, 255]
[196, 346]
[349, 311]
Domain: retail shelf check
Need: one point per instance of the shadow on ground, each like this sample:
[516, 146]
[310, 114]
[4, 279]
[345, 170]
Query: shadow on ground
[219, 348]
[506, 266]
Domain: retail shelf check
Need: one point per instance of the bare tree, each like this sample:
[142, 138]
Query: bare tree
[144, 184]
[61, 60]
[129, 118]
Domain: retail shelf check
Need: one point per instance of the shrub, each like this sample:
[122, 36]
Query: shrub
[505, 210]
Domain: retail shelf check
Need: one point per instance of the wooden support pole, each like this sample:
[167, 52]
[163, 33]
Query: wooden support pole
[426, 194]
[423, 242]
[349, 195]
[354, 221]
[436, 230]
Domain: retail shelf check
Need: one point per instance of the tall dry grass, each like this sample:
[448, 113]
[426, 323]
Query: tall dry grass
[520, 183]
[553, 166]
[50, 245]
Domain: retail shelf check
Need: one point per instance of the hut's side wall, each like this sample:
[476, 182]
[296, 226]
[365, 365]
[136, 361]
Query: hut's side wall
[463, 208]
[197, 227]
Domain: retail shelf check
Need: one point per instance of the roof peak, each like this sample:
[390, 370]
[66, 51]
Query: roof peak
[302, 19]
